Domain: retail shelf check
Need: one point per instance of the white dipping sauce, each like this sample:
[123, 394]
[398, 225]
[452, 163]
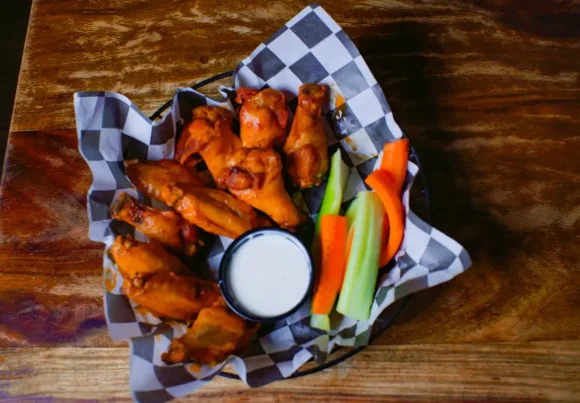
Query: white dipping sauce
[269, 275]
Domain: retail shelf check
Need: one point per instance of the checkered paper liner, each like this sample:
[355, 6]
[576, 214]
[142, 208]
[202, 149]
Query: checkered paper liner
[310, 48]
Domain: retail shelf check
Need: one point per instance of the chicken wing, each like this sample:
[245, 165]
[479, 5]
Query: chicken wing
[214, 335]
[167, 227]
[263, 117]
[210, 135]
[215, 211]
[305, 148]
[150, 177]
[172, 296]
[254, 176]
[258, 181]
[137, 259]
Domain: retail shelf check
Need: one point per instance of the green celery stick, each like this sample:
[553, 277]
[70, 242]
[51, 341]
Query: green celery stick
[321, 322]
[360, 213]
[335, 187]
[351, 212]
[358, 288]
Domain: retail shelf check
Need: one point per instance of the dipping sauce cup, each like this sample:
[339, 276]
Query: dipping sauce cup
[266, 274]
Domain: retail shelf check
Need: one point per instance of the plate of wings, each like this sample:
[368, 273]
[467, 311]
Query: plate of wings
[248, 189]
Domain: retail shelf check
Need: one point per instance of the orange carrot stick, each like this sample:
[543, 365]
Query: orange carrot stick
[395, 157]
[333, 233]
[383, 185]
[385, 240]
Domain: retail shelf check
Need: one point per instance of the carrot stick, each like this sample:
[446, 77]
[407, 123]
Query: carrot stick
[383, 185]
[333, 233]
[384, 240]
[395, 157]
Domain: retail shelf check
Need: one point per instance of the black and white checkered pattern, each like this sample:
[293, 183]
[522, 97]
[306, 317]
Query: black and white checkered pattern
[311, 48]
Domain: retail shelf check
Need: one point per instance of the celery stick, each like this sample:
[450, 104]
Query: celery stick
[362, 269]
[351, 212]
[360, 213]
[321, 322]
[335, 187]
[330, 205]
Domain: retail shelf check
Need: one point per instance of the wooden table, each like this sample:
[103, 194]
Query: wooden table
[488, 92]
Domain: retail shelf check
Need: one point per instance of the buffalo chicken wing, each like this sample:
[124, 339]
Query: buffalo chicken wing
[167, 227]
[151, 176]
[216, 333]
[172, 296]
[254, 176]
[305, 149]
[263, 117]
[215, 211]
[137, 259]
[210, 135]
[258, 181]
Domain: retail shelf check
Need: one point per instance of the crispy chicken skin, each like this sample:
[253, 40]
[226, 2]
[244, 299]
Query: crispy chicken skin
[167, 227]
[263, 117]
[137, 259]
[249, 332]
[159, 282]
[216, 333]
[253, 175]
[172, 296]
[210, 135]
[156, 280]
[215, 211]
[151, 176]
[258, 181]
[305, 149]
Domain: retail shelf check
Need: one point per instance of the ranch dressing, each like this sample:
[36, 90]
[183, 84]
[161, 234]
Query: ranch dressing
[269, 275]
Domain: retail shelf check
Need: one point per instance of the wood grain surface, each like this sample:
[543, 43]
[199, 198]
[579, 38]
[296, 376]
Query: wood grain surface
[488, 92]
[479, 372]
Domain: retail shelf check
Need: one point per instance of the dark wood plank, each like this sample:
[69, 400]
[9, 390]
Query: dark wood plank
[526, 372]
[440, 57]
[51, 285]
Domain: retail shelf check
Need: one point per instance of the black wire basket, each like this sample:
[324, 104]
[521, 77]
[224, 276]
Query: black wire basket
[382, 323]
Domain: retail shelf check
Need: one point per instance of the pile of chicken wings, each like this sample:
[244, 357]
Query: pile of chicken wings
[247, 192]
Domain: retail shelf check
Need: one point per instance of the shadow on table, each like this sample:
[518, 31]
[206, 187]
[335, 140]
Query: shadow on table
[13, 23]
[399, 55]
